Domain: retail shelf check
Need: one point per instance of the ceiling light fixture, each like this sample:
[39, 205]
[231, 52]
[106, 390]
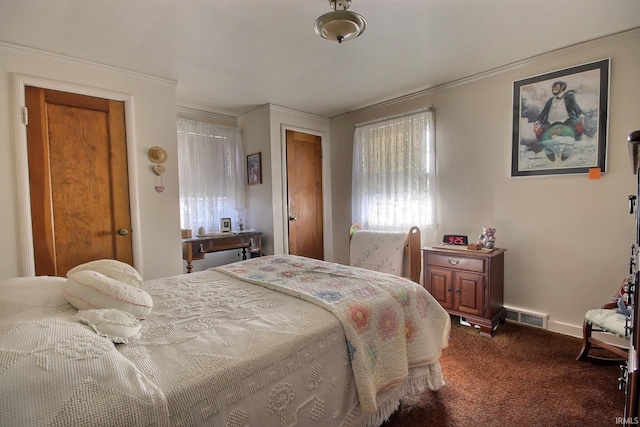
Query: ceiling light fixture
[340, 25]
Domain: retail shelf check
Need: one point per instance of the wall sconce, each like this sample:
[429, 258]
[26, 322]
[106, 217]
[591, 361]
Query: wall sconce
[157, 155]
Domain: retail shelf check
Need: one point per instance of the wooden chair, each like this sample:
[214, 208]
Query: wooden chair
[411, 259]
[604, 319]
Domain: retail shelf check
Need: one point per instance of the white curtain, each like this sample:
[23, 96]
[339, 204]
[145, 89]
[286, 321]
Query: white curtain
[394, 179]
[212, 175]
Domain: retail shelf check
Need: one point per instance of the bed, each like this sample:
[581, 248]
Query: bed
[272, 341]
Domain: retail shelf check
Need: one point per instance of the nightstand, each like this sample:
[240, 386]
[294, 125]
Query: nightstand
[467, 283]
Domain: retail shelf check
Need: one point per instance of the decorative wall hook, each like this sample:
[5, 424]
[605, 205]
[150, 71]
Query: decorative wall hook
[158, 169]
[158, 155]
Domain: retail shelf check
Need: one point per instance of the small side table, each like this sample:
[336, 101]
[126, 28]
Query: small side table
[196, 248]
[467, 283]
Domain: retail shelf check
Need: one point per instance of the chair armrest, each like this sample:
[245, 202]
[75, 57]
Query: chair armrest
[610, 305]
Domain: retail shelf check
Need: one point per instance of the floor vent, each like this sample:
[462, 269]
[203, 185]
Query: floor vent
[527, 317]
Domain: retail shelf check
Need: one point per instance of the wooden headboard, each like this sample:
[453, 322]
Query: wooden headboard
[411, 250]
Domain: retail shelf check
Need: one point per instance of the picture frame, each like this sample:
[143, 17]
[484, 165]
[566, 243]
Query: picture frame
[560, 121]
[254, 168]
[225, 224]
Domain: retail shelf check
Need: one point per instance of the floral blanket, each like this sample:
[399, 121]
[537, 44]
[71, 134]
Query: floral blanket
[391, 323]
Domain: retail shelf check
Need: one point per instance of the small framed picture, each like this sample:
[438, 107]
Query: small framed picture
[254, 169]
[225, 224]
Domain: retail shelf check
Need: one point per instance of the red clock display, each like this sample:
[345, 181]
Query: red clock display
[455, 239]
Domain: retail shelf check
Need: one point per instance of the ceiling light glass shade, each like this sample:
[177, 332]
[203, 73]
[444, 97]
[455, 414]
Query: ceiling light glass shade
[340, 25]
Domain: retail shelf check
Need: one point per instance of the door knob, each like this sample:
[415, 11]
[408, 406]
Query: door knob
[123, 232]
[293, 218]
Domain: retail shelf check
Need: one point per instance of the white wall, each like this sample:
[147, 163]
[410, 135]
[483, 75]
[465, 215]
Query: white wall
[151, 120]
[212, 259]
[567, 237]
[264, 130]
[255, 139]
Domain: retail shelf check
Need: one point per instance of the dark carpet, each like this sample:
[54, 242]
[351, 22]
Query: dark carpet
[523, 376]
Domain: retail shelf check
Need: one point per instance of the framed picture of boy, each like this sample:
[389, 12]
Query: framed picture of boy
[560, 121]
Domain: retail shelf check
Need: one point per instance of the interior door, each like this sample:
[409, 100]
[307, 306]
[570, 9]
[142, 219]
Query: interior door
[79, 186]
[304, 194]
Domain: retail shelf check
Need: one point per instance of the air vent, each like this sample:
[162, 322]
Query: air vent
[513, 315]
[526, 317]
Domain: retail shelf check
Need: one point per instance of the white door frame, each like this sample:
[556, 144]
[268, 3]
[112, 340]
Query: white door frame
[22, 160]
[326, 189]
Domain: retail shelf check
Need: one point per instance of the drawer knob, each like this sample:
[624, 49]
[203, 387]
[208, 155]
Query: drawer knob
[454, 261]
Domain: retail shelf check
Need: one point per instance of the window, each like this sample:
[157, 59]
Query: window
[393, 185]
[211, 172]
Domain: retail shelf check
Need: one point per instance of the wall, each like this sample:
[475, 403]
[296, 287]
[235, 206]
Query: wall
[255, 139]
[198, 115]
[212, 259]
[567, 237]
[150, 119]
[263, 130]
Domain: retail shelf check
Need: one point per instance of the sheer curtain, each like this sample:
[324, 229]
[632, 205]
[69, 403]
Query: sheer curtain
[394, 183]
[212, 175]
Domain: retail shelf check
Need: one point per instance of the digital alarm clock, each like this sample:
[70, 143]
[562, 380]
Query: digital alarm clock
[455, 239]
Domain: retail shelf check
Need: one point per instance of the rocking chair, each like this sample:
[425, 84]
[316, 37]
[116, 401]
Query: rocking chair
[604, 319]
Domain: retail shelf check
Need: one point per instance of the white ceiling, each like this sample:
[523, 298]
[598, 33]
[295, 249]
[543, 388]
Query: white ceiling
[232, 56]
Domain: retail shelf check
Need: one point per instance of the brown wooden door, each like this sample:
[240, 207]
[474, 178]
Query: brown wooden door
[78, 180]
[304, 183]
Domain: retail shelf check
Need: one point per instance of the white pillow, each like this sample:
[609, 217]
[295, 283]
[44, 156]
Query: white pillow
[88, 289]
[118, 326]
[112, 268]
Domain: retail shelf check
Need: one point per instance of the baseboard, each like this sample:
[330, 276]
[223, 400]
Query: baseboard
[541, 320]
[576, 331]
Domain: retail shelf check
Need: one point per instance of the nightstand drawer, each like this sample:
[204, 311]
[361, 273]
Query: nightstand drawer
[457, 262]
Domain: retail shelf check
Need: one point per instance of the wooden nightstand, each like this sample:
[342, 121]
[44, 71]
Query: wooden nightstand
[467, 283]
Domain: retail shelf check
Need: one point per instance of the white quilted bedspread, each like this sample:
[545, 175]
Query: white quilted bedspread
[391, 323]
[214, 351]
[55, 371]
